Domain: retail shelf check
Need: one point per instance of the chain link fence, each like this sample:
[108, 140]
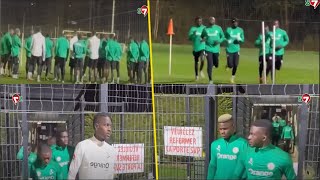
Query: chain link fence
[201, 105]
[45, 108]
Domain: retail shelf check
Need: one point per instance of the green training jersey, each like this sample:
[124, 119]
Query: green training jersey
[52, 147]
[231, 35]
[276, 129]
[6, 44]
[225, 156]
[133, 51]
[282, 122]
[16, 45]
[111, 50]
[214, 36]
[27, 46]
[102, 48]
[49, 46]
[258, 44]
[119, 51]
[63, 156]
[287, 133]
[79, 49]
[282, 40]
[144, 51]
[31, 158]
[194, 35]
[46, 172]
[62, 47]
[265, 163]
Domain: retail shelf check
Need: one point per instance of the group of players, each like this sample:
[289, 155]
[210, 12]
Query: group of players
[92, 158]
[99, 53]
[233, 157]
[206, 42]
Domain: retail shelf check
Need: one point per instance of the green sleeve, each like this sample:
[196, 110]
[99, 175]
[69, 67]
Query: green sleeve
[213, 163]
[204, 34]
[222, 38]
[282, 134]
[288, 169]
[285, 39]
[20, 154]
[59, 172]
[258, 42]
[191, 34]
[226, 34]
[239, 172]
[33, 172]
[26, 46]
[242, 36]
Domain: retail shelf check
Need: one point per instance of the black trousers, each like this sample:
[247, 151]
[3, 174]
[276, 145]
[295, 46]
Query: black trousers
[233, 61]
[213, 60]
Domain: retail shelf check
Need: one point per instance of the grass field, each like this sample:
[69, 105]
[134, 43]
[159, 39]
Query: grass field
[298, 68]
[22, 75]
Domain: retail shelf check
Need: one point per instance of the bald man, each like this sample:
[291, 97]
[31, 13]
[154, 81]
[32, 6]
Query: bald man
[225, 150]
[264, 160]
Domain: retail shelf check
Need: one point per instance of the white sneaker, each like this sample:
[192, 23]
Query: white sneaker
[38, 79]
[118, 80]
[55, 79]
[197, 78]
[62, 82]
[112, 82]
[232, 80]
[201, 74]
[210, 82]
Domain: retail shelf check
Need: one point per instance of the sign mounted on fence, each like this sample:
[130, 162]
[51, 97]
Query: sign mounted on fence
[183, 141]
[130, 158]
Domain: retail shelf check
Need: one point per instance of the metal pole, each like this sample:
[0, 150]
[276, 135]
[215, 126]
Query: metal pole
[188, 124]
[264, 55]
[274, 55]
[170, 55]
[113, 10]
[25, 132]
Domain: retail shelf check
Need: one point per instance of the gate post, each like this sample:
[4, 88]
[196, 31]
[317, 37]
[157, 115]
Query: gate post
[25, 132]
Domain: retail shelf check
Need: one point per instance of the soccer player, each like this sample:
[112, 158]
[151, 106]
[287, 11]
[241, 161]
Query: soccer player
[264, 160]
[79, 49]
[32, 156]
[133, 55]
[275, 132]
[116, 63]
[94, 158]
[49, 50]
[102, 58]
[94, 43]
[213, 37]
[6, 46]
[268, 53]
[15, 52]
[63, 153]
[234, 36]
[143, 60]
[287, 135]
[87, 58]
[44, 167]
[72, 62]
[198, 45]
[282, 40]
[62, 53]
[226, 150]
[38, 52]
[112, 58]
[27, 47]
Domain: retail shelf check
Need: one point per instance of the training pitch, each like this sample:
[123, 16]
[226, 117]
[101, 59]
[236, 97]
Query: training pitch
[298, 68]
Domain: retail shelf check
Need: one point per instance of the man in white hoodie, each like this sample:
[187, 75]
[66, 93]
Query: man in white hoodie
[38, 48]
[94, 158]
[94, 44]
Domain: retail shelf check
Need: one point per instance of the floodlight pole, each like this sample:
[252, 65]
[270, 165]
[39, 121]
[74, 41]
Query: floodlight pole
[113, 10]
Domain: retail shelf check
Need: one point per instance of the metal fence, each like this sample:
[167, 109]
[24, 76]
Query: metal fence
[200, 106]
[45, 108]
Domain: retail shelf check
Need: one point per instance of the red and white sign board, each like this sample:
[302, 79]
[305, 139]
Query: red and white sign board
[130, 158]
[183, 141]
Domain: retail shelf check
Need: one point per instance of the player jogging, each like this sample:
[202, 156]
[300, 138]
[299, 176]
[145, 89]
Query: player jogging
[38, 52]
[264, 160]
[62, 53]
[63, 153]
[226, 150]
[94, 43]
[282, 40]
[49, 50]
[94, 158]
[198, 45]
[213, 37]
[44, 167]
[234, 36]
[15, 53]
[268, 53]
